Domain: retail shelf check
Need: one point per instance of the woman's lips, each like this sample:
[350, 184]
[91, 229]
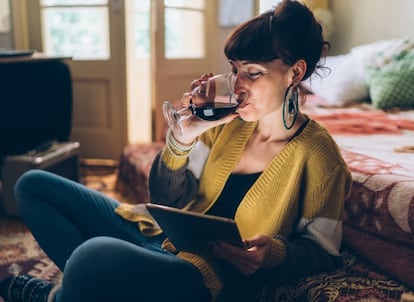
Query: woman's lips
[242, 105]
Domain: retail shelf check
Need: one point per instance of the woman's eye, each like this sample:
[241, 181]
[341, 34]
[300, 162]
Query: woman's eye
[254, 75]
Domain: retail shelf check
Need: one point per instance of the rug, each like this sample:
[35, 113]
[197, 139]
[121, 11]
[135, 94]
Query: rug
[20, 253]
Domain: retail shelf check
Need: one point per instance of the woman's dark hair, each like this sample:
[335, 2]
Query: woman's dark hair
[290, 32]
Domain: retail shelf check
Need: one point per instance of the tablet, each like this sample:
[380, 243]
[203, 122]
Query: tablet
[190, 231]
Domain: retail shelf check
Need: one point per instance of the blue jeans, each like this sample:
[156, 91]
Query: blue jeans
[103, 257]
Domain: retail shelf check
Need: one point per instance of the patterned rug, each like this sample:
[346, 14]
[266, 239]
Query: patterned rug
[20, 253]
[356, 281]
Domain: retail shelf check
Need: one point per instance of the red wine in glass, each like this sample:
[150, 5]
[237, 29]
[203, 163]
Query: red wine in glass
[214, 99]
[213, 111]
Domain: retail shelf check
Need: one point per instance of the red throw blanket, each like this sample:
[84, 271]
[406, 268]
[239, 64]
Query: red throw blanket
[355, 119]
[343, 121]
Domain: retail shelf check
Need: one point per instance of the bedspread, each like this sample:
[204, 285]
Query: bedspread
[378, 148]
[379, 214]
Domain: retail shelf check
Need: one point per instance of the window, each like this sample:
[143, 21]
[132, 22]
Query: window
[265, 5]
[184, 29]
[76, 28]
[234, 12]
[6, 36]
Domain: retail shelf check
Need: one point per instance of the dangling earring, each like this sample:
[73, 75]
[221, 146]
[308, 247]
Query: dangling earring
[290, 107]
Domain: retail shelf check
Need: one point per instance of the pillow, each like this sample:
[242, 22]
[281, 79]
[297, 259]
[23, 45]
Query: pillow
[380, 52]
[342, 83]
[347, 80]
[392, 85]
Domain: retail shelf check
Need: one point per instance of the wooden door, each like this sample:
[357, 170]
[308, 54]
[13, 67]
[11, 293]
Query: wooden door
[93, 34]
[185, 42]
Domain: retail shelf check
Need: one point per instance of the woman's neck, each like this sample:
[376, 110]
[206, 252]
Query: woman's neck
[268, 131]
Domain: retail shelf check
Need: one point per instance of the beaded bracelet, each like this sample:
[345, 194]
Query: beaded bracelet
[176, 147]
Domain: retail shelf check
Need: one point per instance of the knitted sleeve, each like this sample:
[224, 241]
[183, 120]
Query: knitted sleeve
[316, 238]
[314, 245]
[171, 186]
[173, 180]
[302, 257]
[321, 220]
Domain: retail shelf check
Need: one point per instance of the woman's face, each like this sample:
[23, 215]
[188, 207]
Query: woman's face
[265, 84]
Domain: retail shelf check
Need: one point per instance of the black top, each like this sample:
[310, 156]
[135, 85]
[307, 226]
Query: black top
[234, 190]
[236, 187]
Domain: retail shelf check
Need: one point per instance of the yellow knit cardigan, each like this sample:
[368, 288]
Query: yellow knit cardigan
[302, 191]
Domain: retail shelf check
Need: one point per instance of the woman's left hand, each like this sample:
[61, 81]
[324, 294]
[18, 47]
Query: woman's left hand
[248, 259]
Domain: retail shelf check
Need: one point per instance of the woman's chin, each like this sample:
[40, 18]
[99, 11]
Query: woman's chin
[245, 115]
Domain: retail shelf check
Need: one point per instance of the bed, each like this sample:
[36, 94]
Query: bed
[379, 214]
[367, 104]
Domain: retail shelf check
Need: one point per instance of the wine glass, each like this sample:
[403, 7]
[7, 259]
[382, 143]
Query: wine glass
[212, 100]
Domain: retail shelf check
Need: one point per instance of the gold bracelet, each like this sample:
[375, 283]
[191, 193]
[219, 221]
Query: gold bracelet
[172, 143]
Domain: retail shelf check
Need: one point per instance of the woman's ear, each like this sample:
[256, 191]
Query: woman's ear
[299, 69]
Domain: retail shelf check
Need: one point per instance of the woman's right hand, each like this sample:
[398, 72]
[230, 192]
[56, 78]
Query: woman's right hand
[247, 260]
[193, 126]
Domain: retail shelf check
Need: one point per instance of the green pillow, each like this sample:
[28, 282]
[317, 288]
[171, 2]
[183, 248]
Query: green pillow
[392, 85]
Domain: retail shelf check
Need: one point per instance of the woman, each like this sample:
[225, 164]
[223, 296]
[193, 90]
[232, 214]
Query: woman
[277, 172]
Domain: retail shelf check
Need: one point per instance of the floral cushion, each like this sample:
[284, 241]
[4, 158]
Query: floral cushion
[392, 85]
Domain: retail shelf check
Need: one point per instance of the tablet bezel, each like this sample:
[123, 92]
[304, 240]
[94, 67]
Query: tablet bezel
[191, 231]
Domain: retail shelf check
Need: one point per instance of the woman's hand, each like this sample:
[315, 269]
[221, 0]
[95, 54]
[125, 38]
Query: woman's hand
[194, 126]
[247, 260]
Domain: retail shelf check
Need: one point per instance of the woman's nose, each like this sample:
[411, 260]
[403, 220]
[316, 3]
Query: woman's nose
[238, 85]
[239, 90]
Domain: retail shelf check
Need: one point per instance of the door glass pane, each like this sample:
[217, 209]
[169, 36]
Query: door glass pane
[72, 2]
[6, 35]
[195, 4]
[78, 32]
[76, 28]
[184, 33]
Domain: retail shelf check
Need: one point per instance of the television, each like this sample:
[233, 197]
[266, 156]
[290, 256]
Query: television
[35, 103]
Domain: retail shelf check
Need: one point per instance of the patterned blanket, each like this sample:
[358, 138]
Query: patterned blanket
[378, 147]
[379, 215]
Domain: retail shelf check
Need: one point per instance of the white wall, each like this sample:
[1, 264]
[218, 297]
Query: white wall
[356, 22]
[362, 21]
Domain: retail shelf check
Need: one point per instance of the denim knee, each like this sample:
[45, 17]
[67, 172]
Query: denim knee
[27, 182]
[91, 257]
